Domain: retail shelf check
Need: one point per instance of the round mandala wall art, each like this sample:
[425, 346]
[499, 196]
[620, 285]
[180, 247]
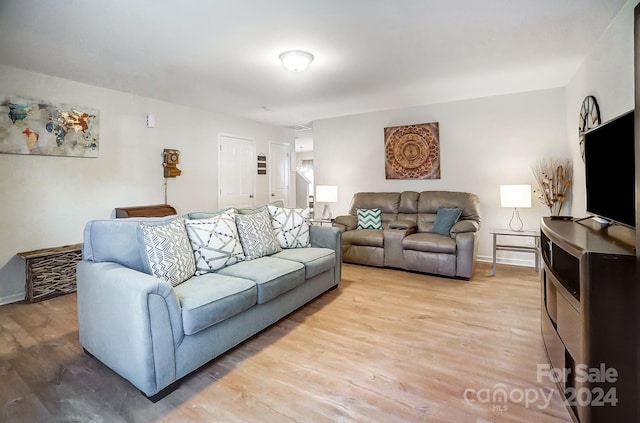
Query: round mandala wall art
[412, 151]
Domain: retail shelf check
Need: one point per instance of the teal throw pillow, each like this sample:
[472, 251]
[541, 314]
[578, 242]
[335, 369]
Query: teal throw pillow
[445, 219]
[369, 218]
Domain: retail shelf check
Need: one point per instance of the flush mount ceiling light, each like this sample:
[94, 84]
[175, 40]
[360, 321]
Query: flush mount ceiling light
[296, 60]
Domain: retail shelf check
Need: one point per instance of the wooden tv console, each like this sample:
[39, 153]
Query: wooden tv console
[590, 318]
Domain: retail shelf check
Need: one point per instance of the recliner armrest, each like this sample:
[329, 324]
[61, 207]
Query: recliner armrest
[465, 226]
[346, 223]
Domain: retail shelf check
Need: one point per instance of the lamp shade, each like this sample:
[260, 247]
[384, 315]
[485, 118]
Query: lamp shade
[517, 196]
[296, 60]
[326, 194]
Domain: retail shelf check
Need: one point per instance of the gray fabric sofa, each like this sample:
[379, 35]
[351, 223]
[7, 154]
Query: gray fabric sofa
[153, 334]
[405, 240]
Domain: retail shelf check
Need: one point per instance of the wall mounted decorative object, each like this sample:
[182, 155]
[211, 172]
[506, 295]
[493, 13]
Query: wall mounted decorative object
[589, 118]
[29, 126]
[412, 151]
[170, 160]
[262, 164]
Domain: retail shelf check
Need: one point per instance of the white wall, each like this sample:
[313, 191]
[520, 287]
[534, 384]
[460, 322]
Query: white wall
[303, 155]
[46, 201]
[489, 141]
[484, 143]
[607, 74]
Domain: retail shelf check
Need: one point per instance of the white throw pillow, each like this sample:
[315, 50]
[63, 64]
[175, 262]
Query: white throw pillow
[256, 235]
[168, 251]
[291, 226]
[215, 242]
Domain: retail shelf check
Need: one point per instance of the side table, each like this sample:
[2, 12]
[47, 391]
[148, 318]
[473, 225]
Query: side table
[519, 248]
[50, 271]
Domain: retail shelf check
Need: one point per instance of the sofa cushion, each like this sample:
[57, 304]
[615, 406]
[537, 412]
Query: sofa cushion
[273, 276]
[445, 219]
[167, 251]
[366, 237]
[387, 202]
[211, 298]
[290, 226]
[315, 260]
[207, 215]
[431, 201]
[256, 235]
[261, 208]
[429, 242]
[369, 218]
[215, 241]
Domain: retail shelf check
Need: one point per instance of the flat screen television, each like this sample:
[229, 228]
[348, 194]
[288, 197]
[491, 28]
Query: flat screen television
[609, 158]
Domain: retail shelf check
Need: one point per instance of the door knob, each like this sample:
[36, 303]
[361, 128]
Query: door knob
[250, 195]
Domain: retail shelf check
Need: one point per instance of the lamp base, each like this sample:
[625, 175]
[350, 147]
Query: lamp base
[516, 224]
[326, 212]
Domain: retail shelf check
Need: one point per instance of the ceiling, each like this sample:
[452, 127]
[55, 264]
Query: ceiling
[370, 55]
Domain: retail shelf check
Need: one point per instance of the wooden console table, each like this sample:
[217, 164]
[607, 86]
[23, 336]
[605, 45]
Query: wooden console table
[51, 271]
[156, 210]
[589, 318]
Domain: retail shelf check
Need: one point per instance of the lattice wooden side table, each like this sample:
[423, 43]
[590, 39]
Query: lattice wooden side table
[51, 271]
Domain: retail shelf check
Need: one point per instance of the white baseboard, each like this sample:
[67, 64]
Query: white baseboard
[510, 261]
[12, 298]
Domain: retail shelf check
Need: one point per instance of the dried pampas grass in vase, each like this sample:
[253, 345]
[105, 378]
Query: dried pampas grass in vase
[554, 177]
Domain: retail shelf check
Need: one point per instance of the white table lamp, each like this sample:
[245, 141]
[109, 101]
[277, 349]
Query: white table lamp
[516, 196]
[326, 194]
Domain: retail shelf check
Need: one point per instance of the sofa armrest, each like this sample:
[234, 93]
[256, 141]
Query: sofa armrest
[465, 226]
[131, 321]
[328, 237]
[346, 223]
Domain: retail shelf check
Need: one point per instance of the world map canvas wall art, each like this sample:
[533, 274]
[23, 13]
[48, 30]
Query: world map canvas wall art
[29, 126]
[412, 151]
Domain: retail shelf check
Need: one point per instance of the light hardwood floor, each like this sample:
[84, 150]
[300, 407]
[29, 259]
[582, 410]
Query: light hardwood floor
[386, 346]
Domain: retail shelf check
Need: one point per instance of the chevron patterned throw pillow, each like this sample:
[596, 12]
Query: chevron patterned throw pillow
[291, 226]
[369, 218]
[168, 251]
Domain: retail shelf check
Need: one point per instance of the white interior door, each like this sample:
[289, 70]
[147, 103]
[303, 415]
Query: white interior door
[236, 171]
[279, 169]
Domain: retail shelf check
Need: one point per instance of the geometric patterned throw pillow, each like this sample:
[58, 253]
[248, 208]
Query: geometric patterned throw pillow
[168, 251]
[290, 226]
[256, 235]
[369, 218]
[215, 242]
